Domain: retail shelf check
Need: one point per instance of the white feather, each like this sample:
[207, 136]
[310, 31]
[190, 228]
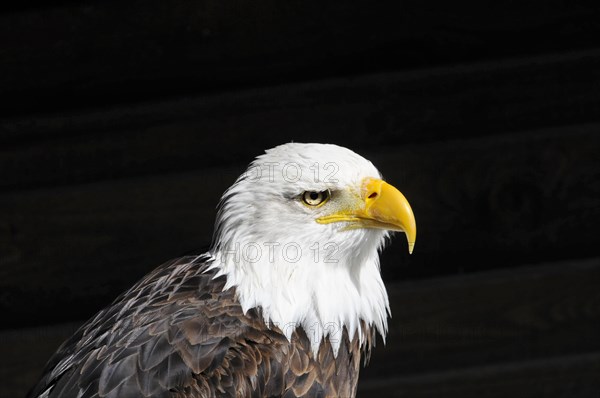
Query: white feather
[302, 273]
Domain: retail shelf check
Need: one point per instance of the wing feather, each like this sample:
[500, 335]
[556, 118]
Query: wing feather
[177, 333]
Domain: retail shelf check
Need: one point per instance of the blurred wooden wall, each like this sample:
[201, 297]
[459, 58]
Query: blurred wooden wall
[121, 123]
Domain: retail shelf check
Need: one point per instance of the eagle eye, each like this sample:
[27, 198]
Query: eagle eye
[314, 198]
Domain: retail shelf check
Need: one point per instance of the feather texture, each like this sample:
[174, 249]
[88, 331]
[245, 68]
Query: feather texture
[177, 333]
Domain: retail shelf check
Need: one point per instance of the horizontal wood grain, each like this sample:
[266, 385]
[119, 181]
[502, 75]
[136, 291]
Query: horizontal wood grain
[494, 317]
[363, 112]
[73, 54]
[522, 333]
[564, 377]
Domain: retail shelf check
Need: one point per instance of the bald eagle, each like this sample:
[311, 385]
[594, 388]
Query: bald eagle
[284, 304]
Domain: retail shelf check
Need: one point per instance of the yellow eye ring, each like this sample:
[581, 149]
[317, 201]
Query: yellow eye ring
[314, 198]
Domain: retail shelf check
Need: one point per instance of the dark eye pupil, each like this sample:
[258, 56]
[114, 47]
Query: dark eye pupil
[314, 195]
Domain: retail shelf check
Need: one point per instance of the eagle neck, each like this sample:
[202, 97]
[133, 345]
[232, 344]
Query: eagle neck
[323, 298]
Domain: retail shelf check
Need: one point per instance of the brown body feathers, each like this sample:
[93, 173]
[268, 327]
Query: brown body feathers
[176, 333]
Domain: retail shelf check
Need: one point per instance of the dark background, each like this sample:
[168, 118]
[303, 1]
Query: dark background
[121, 123]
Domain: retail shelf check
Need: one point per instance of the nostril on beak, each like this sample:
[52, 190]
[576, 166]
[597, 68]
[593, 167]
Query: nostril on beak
[373, 195]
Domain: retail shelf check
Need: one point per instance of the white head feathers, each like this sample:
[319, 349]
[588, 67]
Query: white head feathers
[321, 277]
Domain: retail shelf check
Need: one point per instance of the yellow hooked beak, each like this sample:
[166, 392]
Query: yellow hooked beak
[382, 206]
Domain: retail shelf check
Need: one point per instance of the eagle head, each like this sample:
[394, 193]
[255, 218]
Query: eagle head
[298, 235]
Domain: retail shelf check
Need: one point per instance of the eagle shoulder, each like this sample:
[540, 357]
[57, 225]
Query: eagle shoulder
[177, 333]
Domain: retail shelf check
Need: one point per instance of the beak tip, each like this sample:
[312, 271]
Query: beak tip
[411, 247]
